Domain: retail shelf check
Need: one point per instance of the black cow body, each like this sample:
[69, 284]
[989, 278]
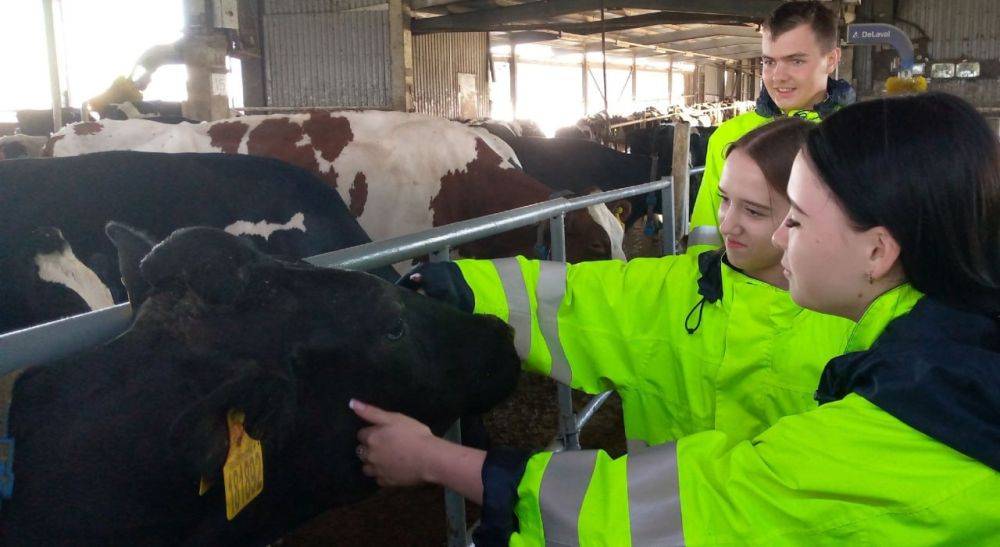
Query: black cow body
[39, 122]
[577, 165]
[157, 111]
[159, 193]
[111, 444]
[580, 165]
[660, 140]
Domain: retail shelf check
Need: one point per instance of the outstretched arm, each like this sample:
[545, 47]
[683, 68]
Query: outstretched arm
[397, 450]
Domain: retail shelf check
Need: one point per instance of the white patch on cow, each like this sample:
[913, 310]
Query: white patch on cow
[404, 157]
[62, 267]
[616, 232]
[264, 228]
[499, 146]
[306, 140]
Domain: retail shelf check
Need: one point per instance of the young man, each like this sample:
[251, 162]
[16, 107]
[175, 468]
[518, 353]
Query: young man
[799, 54]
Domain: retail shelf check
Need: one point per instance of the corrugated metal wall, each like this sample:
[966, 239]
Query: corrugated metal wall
[438, 59]
[327, 53]
[960, 29]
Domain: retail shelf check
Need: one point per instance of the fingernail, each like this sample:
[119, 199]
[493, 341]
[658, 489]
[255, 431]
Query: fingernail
[416, 277]
[355, 404]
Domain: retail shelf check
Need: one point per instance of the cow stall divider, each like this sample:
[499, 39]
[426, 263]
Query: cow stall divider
[67, 336]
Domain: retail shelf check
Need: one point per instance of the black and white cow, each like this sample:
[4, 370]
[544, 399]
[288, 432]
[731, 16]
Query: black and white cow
[578, 165]
[42, 279]
[284, 209]
[111, 444]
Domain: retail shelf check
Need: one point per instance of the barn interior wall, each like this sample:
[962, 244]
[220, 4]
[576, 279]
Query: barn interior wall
[451, 74]
[327, 53]
[955, 30]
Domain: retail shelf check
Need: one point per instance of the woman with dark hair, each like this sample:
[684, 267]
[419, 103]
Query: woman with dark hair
[894, 223]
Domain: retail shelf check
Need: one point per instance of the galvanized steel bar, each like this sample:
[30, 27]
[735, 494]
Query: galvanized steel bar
[454, 503]
[568, 432]
[382, 253]
[592, 406]
[61, 338]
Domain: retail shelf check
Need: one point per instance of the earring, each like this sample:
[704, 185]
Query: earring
[871, 280]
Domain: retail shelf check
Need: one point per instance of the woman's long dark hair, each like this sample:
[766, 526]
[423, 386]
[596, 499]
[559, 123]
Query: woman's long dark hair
[927, 168]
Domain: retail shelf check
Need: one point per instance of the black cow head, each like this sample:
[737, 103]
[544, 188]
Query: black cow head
[289, 344]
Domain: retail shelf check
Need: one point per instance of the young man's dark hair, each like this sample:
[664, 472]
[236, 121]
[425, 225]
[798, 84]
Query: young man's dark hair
[820, 19]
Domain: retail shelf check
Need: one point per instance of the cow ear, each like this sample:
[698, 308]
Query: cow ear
[208, 261]
[622, 209]
[132, 246]
[200, 433]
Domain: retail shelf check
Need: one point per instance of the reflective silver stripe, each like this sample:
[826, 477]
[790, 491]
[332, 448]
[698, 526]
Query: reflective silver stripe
[654, 501]
[518, 305]
[561, 496]
[635, 446]
[705, 235]
[550, 291]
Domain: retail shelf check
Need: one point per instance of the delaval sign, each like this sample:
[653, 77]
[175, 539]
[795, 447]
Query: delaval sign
[879, 33]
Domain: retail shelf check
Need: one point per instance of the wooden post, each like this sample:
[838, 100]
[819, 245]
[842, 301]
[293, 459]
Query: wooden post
[400, 56]
[635, 78]
[680, 172]
[513, 79]
[670, 81]
[584, 82]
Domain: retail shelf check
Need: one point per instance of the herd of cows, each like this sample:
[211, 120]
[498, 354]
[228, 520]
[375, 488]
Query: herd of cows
[201, 226]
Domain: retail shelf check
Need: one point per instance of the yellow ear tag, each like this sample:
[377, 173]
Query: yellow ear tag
[243, 473]
[204, 485]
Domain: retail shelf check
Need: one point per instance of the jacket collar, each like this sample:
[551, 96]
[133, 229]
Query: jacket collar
[880, 312]
[936, 369]
[710, 280]
[839, 93]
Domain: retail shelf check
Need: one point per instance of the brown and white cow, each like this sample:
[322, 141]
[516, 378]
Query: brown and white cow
[400, 173]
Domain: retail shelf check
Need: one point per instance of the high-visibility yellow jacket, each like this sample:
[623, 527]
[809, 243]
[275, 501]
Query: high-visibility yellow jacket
[688, 346]
[847, 473]
[704, 227]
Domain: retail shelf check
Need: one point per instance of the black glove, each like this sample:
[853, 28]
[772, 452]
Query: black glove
[441, 281]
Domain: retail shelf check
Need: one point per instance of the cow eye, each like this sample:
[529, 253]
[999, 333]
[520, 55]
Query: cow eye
[397, 331]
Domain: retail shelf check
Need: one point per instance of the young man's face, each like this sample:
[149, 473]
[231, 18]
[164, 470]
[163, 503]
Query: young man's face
[796, 68]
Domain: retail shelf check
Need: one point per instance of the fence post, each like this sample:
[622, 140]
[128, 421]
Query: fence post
[454, 503]
[568, 432]
[682, 179]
